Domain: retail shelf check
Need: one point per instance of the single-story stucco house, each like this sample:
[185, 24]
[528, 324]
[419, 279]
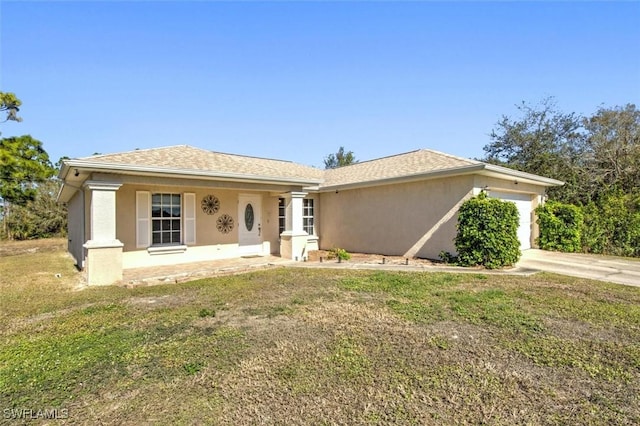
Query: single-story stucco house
[183, 204]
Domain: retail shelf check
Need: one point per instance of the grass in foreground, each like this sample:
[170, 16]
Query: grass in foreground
[289, 346]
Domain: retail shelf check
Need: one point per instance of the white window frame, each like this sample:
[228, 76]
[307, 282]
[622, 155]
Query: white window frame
[144, 220]
[308, 213]
[282, 215]
[161, 219]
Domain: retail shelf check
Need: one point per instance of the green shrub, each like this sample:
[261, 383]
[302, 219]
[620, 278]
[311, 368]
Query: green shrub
[447, 257]
[338, 253]
[487, 233]
[612, 225]
[204, 312]
[560, 227]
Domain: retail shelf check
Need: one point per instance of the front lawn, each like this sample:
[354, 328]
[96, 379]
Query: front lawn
[307, 346]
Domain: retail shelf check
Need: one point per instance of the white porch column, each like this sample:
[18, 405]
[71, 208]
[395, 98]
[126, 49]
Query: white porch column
[293, 241]
[103, 249]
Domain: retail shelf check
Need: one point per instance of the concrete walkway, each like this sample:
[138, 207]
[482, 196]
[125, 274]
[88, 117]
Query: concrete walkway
[603, 268]
[191, 271]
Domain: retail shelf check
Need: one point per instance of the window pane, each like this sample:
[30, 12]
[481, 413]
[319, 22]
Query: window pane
[166, 211]
[248, 217]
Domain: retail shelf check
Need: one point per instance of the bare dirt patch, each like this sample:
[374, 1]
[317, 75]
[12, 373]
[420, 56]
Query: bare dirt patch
[13, 248]
[162, 301]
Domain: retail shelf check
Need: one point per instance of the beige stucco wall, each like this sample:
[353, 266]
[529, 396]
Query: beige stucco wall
[206, 232]
[87, 214]
[270, 222]
[408, 219]
[75, 229]
[104, 265]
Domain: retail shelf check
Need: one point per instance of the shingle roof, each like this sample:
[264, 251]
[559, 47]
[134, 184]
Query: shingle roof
[184, 157]
[188, 160]
[410, 163]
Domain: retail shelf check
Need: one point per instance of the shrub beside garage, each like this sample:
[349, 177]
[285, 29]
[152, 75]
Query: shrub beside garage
[487, 233]
[560, 227]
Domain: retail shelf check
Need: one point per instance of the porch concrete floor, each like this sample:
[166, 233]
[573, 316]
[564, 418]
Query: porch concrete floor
[194, 270]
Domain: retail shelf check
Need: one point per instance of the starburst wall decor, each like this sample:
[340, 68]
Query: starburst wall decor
[210, 204]
[225, 223]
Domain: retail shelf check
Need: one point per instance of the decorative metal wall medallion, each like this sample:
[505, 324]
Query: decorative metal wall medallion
[225, 223]
[248, 217]
[210, 204]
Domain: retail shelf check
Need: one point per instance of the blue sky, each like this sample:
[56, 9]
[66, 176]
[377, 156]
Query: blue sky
[296, 80]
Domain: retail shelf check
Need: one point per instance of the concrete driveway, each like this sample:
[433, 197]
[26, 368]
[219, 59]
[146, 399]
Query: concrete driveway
[603, 268]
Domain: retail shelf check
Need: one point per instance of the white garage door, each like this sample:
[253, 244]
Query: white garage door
[523, 203]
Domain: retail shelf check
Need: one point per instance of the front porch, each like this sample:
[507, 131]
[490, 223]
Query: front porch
[149, 226]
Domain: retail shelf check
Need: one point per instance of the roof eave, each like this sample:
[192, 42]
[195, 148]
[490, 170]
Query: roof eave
[180, 173]
[455, 171]
[523, 176]
[472, 168]
[62, 175]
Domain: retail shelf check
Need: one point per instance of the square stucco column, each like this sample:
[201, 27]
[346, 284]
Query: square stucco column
[293, 241]
[103, 250]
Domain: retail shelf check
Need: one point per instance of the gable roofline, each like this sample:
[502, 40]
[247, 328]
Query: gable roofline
[522, 176]
[91, 166]
[134, 162]
[186, 146]
[478, 168]
[192, 163]
[421, 164]
[433, 151]
[418, 165]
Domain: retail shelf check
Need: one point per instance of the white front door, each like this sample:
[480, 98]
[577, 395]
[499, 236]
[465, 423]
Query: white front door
[250, 224]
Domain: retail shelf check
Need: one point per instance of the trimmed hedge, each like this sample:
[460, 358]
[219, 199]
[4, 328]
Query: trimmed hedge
[487, 233]
[560, 227]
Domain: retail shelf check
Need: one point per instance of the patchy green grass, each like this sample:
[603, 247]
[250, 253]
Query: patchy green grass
[300, 346]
